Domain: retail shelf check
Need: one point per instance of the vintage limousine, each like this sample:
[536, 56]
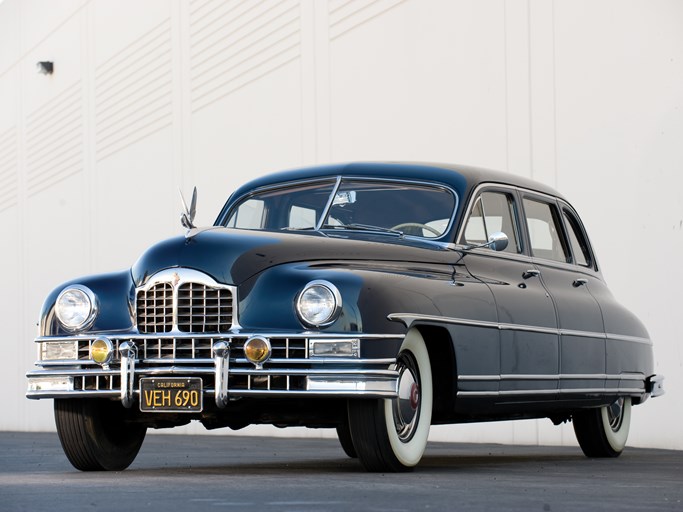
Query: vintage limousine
[374, 298]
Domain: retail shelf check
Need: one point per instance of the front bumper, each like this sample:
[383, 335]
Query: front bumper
[292, 371]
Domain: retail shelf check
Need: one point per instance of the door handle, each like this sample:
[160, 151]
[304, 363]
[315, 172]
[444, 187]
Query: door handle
[531, 273]
[579, 282]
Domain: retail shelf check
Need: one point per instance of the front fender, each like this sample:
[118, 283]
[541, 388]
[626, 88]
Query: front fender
[267, 300]
[115, 294]
[369, 296]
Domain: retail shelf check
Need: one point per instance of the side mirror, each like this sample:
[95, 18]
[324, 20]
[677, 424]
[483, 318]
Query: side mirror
[498, 241]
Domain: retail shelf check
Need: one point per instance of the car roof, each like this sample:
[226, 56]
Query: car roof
[461, 178]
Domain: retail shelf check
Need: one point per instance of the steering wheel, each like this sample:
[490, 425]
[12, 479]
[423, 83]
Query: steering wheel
[419, 225]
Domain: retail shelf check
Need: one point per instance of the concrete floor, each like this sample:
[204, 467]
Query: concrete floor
[179, 473]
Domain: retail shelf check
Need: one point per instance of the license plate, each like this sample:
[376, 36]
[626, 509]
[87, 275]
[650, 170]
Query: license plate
[171, 394]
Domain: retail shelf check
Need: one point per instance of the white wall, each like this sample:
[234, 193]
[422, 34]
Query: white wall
[146, 97]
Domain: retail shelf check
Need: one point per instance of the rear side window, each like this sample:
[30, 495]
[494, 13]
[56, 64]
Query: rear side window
[492, 212]
[577, 240]
[545, 231]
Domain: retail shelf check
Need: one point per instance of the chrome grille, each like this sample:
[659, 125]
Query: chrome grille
[204, 309]
[200, 308]
[155, 309]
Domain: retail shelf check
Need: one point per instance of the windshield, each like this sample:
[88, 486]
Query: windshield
[352, 204]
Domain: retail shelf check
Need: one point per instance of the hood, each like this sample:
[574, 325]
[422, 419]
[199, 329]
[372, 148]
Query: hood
[232, 256]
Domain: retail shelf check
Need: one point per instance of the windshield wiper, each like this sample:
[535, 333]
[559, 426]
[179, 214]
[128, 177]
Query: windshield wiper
[363, 227]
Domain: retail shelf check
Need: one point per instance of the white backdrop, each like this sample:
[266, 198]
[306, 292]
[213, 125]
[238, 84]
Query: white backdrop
[146, 97]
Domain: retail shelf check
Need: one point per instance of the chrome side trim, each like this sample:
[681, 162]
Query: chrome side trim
[604, 391]
[631, 339]
[409, 318]
[596, 376]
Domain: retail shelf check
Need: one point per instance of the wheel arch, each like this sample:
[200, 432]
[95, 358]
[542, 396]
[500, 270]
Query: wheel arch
[444, 370]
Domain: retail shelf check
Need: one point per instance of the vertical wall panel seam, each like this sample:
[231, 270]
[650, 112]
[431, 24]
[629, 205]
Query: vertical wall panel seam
[323, 80]
[531, 104]
[20, 93]
[187, 170]
[177, 101]
[507, 87]
[307, 86]
[314, 81]
[552, 20]
[90, 169]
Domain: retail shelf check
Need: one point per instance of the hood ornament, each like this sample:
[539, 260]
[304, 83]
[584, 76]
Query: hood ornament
[187, 216]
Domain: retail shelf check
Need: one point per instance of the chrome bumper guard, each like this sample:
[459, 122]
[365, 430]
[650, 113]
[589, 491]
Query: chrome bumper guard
[318, 376]
[655, 385]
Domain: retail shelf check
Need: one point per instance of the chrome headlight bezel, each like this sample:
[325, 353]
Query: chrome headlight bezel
[89, 300]
[331, 310]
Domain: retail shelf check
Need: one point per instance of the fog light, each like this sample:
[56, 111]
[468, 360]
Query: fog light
[334, 348]
[101, 350]
[257, 350]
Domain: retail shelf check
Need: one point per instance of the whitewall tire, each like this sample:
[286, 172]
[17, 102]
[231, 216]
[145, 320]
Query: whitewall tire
[603, 432]
[391, 435]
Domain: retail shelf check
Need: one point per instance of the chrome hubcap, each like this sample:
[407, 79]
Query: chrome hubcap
[407, 405]
[615, 414]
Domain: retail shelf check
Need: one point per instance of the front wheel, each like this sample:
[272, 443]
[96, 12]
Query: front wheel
[391, 435]
[344, 435]
[96, 435]
[602, 432]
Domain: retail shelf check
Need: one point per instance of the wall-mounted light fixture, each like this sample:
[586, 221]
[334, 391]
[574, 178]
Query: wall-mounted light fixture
[45, 67]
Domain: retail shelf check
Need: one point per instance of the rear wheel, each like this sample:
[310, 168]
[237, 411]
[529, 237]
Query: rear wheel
[95, 434]
[602, 432]
[391, 435]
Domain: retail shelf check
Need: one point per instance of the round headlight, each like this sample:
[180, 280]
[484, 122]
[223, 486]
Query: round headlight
[76, 307]
[318, 303]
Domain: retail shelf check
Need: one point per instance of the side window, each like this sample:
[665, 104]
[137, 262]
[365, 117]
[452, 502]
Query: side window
[545, 231]
[493, 211]
[577, 240]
